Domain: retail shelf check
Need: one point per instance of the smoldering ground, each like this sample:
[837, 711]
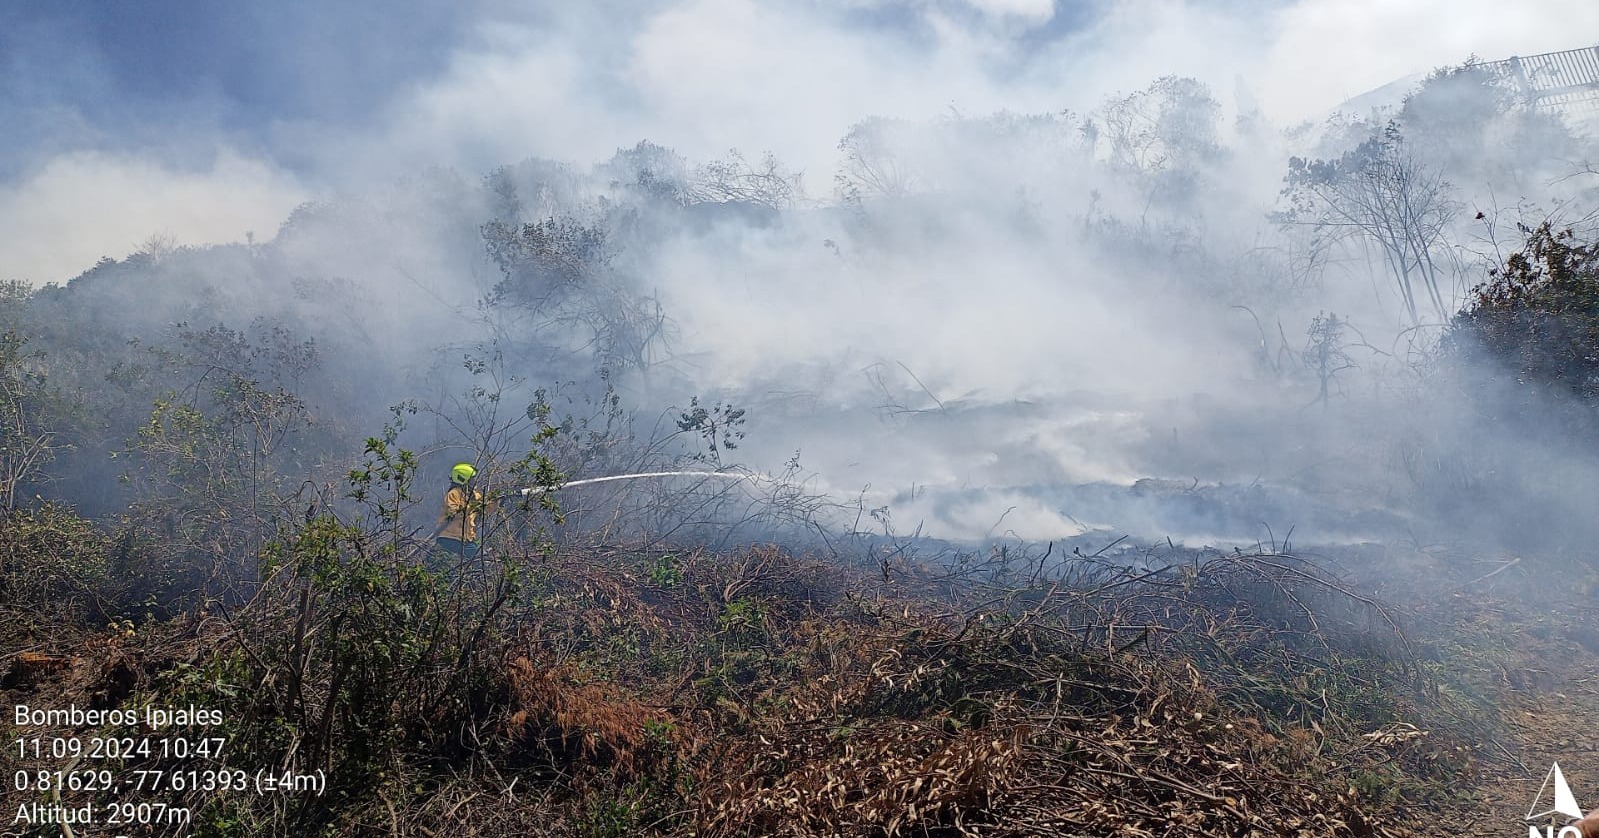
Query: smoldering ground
[986, 322]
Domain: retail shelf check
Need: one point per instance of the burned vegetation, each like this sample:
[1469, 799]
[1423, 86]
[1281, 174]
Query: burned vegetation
[753, 692]
[865, 687]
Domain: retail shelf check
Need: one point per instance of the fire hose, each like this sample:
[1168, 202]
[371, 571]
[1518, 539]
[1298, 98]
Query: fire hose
[539, 490]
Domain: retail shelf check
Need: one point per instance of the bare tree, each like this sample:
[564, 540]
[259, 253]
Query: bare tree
[1164, 136]
[873, 163]
[1324, 354]
[1381, 192]
[735, 179]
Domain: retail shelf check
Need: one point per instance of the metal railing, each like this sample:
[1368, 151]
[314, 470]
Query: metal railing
[1567, 81]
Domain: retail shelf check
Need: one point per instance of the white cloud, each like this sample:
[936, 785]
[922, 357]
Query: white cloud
[80, 207]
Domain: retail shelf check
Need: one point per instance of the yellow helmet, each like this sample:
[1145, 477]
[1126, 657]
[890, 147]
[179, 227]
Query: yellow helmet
[462, 473]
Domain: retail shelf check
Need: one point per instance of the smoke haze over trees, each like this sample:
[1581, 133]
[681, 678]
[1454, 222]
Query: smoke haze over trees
[989, 358]
[971, 318]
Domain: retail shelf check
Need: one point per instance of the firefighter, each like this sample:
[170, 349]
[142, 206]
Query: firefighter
[457, 533]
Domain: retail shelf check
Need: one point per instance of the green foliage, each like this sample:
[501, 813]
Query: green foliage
[544, 262]
[27, 442]
[384, 481]
[742, 616]
[628, 810]
[359, 660]
[1537, 318]
[14, 296]
[559, 288]
[210, 466]
[666, 571]
[537, 469]
[718, 426]
[53, 562]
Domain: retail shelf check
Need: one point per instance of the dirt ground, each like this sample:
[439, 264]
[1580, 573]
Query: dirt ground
[1524, 642]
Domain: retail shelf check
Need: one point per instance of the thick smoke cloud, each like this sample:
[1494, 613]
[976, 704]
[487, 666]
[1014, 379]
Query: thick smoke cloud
[81, 206]
[350, 97]
[1004, 339]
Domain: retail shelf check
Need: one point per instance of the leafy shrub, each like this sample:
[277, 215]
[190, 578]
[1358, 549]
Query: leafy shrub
[1537, 318]
[51, 559]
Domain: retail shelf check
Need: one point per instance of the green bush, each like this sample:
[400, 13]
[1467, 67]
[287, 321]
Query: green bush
[52, 560]
[1536, 320]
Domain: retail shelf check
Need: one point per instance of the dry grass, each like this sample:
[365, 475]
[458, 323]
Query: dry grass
[757, 693]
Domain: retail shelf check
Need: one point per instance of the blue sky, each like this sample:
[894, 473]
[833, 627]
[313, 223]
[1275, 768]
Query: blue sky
[200, 120]
[166, 76]
[112, 73]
